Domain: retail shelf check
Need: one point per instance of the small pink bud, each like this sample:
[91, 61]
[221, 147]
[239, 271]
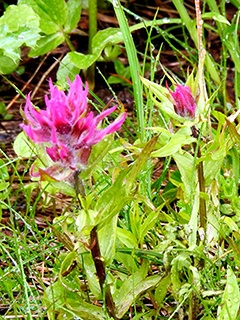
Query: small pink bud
[183, 101]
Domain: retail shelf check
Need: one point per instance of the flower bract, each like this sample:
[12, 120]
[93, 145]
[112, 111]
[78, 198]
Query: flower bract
[66, 126]
[183, 101]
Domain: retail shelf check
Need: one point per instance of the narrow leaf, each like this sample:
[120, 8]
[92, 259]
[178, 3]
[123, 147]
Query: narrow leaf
[139, 163]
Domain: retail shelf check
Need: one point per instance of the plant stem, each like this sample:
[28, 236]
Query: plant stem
[69, 43]
[193, 306]
[92, 30]
[78, 184]
[101, 273]
[201, 180]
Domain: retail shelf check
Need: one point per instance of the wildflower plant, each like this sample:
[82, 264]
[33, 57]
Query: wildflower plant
[134, 245]
[67, 128]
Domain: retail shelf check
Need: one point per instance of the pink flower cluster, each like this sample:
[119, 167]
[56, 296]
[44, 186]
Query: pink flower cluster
[183, 101]
[67, 126]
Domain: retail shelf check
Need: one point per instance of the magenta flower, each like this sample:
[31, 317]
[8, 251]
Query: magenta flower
[66, 125]
[183, 101]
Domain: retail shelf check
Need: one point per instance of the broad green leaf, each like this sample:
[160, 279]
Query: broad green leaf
[181, 261]
[82, 61]
[112, 200]
[109, 36]
[66, 69]
[130, 292]
[24, 30]
[55, 296]
[47, 44]
[230, 223]
[127, 238]
[83, 310]
[52, 13]
[185, 165]
[128, 261]
[16, 32]
[74, 8]
[90, 271]
[69, 278]
[229, 306]
[175, 143]
[3, 170]
[69, 305]
[139, 163]
[107, 240]
[71, 65]
[22, 146]
[211, 168]
[162, 289]
[3, 187]
[7, 64]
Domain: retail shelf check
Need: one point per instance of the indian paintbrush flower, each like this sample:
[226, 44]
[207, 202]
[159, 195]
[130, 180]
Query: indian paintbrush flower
[67, 127]
[183, 101]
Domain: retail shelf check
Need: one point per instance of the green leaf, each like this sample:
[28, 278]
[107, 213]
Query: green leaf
[16, 32]
[74, 8]
[175, 143]
[131, 289]
[229, 306]
[147, 225]
[107, 240]
[112, 200]
[127, 238]
[109, 36]
[235, 136]
[215, 16]
[69, 278]
[211, 168]
[99, 150]
[231, 42]
[47, 44]
[3, 187]
[161, 93]
[3, 170]
[178, 263]
[66, 69]
[69, 305]
[162, 289]
[71, 64]
[82, 61]
[83, 310]
[185, 165]
[139, 163]
[22, 146]
[52, 13]
[90, 271]
[7, 64]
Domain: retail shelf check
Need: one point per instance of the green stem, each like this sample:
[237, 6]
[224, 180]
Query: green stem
[68, 42]
[92, 30]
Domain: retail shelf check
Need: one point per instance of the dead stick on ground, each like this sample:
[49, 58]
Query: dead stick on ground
[27, 83]
[45, 75]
